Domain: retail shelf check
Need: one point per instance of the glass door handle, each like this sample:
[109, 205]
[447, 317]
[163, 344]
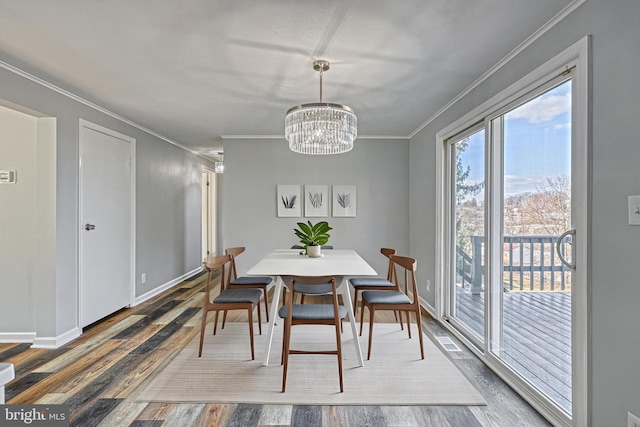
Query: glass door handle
[560, 251]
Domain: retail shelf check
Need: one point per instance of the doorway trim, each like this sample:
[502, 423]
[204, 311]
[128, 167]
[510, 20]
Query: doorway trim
[82, 123]
[576, 56]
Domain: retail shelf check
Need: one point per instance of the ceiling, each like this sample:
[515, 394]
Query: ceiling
[202, 71]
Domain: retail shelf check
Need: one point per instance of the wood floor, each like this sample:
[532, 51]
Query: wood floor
[98, 374]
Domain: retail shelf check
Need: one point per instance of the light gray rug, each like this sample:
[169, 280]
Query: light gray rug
[395, 375]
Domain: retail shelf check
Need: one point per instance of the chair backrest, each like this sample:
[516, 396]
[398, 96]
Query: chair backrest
[409, 267]
[312, 280]
[211, 264]
[391, 271]
[233, 252]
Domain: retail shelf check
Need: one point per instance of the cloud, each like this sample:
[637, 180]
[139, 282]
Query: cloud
[543, 109]
[514, 184]
[562, 126]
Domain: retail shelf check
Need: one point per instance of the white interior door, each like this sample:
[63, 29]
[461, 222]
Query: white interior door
[106, 279]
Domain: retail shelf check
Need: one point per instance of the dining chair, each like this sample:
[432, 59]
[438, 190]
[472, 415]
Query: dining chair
[258, 282]
[376, 283]
[396, 300]
[311, 314]
[303, 289]
[227, 299]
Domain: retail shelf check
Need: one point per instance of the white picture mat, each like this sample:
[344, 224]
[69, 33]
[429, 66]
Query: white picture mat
[288, 200]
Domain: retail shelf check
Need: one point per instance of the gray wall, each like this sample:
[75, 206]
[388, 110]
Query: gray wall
[254, 168]
[168, 210]
[615, 154]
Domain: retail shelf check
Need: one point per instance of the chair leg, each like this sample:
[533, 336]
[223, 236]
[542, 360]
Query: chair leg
[287, 329]
[355, 300]
[362, 316]
[250, 311]
[259, 319]
[339, 345]
[202, 327]
[224, 319]
[372, 313]
[215, 323]
[408, 314]
[419, 321]
[302, 299]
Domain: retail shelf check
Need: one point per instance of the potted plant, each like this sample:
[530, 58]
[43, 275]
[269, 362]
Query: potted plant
[313, 236]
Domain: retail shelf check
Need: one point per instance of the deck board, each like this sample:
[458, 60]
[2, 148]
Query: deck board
[536, 337]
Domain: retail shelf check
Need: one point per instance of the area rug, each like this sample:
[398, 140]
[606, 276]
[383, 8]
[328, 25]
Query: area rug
[395, 375]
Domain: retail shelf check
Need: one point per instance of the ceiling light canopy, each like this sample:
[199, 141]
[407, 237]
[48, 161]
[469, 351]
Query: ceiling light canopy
[320, 128]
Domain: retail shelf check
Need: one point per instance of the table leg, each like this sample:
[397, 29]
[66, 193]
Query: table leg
[272, 318]
[346, 300]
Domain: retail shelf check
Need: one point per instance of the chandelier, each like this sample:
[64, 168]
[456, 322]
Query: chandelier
[218, 165]
[320, 128]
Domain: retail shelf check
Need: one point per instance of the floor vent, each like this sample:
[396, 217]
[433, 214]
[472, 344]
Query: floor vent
[448, 344]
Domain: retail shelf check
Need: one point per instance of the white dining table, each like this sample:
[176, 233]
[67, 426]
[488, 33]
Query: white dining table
[340, 263]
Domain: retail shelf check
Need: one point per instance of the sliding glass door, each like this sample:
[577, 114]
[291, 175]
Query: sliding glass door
[510, 207]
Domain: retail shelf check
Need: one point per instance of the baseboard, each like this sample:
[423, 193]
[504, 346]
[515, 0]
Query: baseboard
[156, 291]
[56, 342]
[17, 337]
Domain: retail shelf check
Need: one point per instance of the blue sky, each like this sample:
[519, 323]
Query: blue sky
[537, 143]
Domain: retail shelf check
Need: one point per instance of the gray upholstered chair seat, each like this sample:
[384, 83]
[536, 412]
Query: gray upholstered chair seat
[358, 282]
[312, 311]
[252, 280]
[229, 296]
[385, 297]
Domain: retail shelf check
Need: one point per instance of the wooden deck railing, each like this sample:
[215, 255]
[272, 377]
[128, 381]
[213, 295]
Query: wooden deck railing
[530, 263]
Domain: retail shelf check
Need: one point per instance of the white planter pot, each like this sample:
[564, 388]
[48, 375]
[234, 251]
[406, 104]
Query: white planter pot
[313, 251]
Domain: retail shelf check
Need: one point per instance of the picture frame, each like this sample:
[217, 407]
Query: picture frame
[316, 201]
[345, 200]
[288, 201]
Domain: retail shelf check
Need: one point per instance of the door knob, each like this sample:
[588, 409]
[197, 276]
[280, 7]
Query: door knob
[89, 227]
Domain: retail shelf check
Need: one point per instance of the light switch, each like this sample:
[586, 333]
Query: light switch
[634, 210]
[7, 177]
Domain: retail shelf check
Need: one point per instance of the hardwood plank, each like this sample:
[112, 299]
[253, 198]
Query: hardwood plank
[399, 416]
[146, 423]
[90, 346]
[94, 414]
[306, 416]
[214, 414]
[245, 415]
[155, 411]
[365, 415]
[184, 414]
[334, 416]
[54, 380]
[146, 320]
[276, 415]
[20, 385]
[7, 351]
[123, 415]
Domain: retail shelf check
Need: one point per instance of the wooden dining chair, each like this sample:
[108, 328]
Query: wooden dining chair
[227, 299]
[376, 283]
[244, 282]
[303, 289]
[396, 300]
[311, 314]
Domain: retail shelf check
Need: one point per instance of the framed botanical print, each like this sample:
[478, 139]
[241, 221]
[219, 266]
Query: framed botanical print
[344, 200]
[316, 200]
[288, 201]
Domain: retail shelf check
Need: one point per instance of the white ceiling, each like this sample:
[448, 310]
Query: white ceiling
[198, 71]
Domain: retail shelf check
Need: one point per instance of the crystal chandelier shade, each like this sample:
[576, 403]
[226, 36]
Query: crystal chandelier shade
[320, 128]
